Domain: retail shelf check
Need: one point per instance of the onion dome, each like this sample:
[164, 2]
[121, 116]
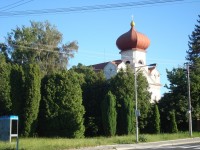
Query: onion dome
[132, 40]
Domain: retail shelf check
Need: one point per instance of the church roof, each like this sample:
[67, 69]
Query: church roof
[132, 40]
[98, 67]
[151, 69]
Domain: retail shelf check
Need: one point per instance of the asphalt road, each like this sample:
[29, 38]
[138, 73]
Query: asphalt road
[193, 146]
[180, 144]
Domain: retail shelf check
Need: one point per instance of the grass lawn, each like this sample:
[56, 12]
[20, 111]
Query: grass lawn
[64, 143]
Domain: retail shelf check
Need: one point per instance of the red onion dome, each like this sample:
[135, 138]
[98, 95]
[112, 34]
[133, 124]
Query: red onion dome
[132, 40]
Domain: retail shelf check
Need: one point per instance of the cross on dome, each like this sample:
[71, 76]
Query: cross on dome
[132, 22]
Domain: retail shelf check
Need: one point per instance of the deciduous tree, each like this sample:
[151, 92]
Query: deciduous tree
[40, 43]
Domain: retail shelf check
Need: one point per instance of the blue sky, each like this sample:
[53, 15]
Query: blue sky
[167, 26]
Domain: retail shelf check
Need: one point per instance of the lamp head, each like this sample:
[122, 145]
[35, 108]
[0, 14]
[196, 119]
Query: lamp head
[152, 65]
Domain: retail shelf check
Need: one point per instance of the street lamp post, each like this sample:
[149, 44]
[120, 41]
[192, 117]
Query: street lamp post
[189, 102]
[137, 113]
[136, 110]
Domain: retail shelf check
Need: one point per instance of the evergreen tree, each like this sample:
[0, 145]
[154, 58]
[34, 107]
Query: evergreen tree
[174, 128]
[61, 109]
[5, 99]
[193, 57]
[144, 98]
[32, 99]
[176, 100]
[129, 117]
[109, 114]
[156, 120]
[122, 86]
[17, 82]
[194, 45]
[94, 89]
[4, 52]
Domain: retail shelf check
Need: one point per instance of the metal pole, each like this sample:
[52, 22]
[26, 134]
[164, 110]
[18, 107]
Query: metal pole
[189, 102]
[17, 145]
[136, 113]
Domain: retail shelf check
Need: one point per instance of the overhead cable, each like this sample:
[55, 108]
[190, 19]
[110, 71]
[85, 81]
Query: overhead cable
[14, 5]
[85, 8]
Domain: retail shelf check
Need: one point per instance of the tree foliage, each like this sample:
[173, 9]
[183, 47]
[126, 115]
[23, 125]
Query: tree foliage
[32, 99]
[40, 43]
[61, 110]
[193, 52]
[177, 98]
[109, 114]
[144, 98]
[94, 89]
[17, 83]
[4, 52]
[156, 120]
[5, 99]
[122, 86]
[173, 125]
[193, 56]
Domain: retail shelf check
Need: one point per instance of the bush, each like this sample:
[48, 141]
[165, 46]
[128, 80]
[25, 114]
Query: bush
[142, 138]
[61, 110]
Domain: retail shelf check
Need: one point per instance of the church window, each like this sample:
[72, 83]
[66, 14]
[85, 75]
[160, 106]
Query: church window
[140, 62]
[128, 62]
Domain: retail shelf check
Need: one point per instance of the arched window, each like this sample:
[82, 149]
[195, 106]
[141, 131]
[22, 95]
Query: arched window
[140, 62]
[128, 62]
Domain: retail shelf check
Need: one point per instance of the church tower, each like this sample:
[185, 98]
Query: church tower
[133, 47]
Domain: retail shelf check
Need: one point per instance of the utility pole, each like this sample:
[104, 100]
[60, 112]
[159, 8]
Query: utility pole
[136, 109]
[189, 102]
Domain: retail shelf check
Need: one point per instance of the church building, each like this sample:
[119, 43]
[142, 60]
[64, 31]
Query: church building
[133, 48]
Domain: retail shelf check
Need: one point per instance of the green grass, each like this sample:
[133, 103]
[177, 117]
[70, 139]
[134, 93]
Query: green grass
[64, 144]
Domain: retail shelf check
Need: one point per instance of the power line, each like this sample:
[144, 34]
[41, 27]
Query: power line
[19, 5]
[38, 49]
[13, 5]
[86, 8]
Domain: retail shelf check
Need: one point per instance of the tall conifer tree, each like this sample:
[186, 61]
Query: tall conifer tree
[194, 44]
[174, 128]
[32, 99]
[109, 114]
[156, 120]
[177, 98]
[193, 56]
[5, 99]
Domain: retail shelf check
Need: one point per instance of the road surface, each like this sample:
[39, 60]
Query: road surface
[193, 146]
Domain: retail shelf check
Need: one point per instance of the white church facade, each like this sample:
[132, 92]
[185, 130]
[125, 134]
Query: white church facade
[132, 46]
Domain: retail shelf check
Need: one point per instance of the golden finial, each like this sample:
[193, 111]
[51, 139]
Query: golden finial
[132, 22]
